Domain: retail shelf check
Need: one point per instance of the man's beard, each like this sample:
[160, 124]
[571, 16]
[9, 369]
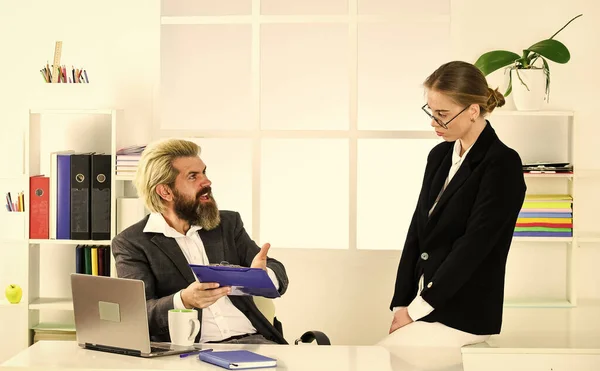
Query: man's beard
[203, 214]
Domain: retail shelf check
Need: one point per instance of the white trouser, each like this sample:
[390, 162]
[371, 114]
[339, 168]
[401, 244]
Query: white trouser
[425, 334]
[428, 346]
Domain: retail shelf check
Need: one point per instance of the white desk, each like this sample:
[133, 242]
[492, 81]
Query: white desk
[66, 355]
[553, 350]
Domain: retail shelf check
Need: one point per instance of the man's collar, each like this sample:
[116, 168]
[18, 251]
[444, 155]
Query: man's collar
[157, 224]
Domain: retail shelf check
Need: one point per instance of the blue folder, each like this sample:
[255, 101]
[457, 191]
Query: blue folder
[243, 280]
[542, 234]
[237, 359]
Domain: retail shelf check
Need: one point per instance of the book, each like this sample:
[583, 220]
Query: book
[237, 359]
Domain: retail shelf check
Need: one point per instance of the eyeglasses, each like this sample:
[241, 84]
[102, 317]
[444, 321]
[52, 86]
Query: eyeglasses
[440, 122]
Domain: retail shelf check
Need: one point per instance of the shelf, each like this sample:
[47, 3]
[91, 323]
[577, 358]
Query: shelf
[70, 242]
[543, 239]
[555, 175]
[588, 237]
[4, 303]
[538, 303]
[72, 111]
[44, 326]
[124, 177]
[15, 177]
[501, 112]
[12, 240]
[52, 303]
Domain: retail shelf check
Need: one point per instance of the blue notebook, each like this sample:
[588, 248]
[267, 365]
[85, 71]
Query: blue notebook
[237, 359]
[242, 280]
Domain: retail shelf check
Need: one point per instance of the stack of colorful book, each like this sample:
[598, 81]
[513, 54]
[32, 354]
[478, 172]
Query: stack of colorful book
[545, 216]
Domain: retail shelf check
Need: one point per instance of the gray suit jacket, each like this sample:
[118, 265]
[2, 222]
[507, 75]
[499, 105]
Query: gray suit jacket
[159, 262]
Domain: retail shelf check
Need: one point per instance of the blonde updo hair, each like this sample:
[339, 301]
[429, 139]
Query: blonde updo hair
[465, 84]
[156, 167]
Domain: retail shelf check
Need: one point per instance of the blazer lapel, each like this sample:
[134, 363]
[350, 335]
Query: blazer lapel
[458, 179]
[213, 245]
[170, 247]
[439, 179]
[474, 157]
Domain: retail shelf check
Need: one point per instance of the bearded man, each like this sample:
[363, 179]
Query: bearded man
[186, 227]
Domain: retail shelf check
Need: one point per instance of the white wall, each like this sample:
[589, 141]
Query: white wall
[344, 293]
[115, 41]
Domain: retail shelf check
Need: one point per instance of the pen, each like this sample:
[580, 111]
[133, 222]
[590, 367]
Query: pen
[195, 352]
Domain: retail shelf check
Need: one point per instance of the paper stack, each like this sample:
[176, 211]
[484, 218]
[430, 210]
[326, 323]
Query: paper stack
[127, 160]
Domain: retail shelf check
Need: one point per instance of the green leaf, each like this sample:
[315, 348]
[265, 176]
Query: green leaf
[509, 89]
[494, 60]
[554, 50]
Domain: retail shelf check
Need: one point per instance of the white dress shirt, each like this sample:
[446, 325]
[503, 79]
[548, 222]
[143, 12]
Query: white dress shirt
[419, 308]
[222, 319]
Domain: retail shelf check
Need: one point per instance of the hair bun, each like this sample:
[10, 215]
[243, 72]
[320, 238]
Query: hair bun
[496, 99]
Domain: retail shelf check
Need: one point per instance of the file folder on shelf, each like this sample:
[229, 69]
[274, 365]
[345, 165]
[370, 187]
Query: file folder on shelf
[100, 207]
[63, 197]
[39, 207]
[242, 280]
[80, 196]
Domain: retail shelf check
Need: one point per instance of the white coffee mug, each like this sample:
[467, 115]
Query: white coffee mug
[183, 326]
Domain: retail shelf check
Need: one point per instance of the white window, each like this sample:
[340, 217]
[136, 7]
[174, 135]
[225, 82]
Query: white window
[308, 112]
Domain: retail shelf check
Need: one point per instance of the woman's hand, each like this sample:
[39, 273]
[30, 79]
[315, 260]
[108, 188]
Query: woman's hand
[401, 319]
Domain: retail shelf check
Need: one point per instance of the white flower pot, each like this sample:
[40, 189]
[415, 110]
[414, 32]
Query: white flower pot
[533, 96]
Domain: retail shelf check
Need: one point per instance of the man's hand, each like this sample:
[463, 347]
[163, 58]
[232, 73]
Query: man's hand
[202, 294]
[401, 319]
[260, 260]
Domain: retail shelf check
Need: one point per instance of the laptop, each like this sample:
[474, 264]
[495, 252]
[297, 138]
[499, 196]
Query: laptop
[110, 316]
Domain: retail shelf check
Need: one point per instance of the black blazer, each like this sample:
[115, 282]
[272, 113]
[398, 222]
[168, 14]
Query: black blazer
[461, 249]
[159, 262]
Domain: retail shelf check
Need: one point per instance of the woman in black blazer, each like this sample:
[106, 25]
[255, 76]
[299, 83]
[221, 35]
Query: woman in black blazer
[450, 283]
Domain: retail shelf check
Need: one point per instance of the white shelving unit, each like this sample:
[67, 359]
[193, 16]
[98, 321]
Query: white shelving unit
[571, 242]
[46, 264]
[91, 130]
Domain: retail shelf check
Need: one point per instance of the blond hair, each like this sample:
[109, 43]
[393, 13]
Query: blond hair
[465, 84]
[156, 167]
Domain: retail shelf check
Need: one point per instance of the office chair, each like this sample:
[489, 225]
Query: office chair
[267, 308]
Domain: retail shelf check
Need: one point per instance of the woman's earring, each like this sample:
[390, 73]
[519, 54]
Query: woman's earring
[472, 119]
